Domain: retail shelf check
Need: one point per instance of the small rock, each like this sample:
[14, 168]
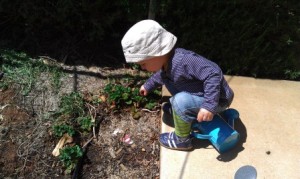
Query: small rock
[93, 69]
[136, 115]
[112, 152]
[133, 146]
[103, 98]
[123, 167]
[117, 131]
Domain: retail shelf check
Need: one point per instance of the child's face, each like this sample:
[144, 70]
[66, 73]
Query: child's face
[153, 64]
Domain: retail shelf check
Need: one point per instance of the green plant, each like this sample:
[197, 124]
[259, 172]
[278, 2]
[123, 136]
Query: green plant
[60, 130]
[72, 104]
[293, 75]
[151, 104]
[136, 97]
[70, 156]
[120, 95]
[56, 74]
[135, 66]
[85, 123]
[3, 85]
[97, 100]
[21, 69]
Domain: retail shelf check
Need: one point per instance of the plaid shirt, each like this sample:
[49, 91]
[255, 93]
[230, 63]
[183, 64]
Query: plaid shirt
[194, 74]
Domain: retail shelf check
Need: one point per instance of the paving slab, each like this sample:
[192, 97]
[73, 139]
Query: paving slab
[269, 128]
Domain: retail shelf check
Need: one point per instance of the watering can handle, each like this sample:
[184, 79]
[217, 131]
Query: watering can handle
[201, 136]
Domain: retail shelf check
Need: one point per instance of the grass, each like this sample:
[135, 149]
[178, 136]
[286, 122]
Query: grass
[21, 69]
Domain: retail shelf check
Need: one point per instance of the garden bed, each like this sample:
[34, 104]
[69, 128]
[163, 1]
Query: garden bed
[27, 136]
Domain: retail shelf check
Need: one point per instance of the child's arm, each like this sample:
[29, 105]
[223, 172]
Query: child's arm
[152, 83]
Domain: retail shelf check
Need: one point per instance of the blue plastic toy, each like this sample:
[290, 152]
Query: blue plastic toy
[219, 131]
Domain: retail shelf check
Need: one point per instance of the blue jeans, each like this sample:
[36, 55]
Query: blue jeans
[187, 106]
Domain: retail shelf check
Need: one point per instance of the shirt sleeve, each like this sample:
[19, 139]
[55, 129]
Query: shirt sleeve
[154, 81]
[212, 87]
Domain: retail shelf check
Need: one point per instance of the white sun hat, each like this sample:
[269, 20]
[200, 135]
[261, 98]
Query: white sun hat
[146, 39]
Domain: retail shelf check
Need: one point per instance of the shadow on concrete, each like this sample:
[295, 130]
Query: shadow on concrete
[184, 165]
[202, 144]
[232, 154]
[168, 120]
[166, 117]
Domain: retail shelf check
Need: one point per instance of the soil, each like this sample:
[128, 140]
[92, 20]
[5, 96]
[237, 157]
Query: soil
[27, 142]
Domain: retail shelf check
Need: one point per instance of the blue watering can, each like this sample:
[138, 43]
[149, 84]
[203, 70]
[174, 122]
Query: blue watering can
[219, 132]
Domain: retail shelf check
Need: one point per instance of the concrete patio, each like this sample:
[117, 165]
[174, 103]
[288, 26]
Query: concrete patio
[269, 128]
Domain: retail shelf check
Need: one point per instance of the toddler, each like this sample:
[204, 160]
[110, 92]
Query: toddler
[198, 87]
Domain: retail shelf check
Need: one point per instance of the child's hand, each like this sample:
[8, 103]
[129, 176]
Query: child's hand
[143, 91]
[204, 115]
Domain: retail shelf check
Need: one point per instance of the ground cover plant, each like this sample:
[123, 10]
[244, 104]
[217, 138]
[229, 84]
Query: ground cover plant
[106, 128]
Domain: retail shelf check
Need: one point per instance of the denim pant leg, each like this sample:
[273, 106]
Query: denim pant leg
[187, 106]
